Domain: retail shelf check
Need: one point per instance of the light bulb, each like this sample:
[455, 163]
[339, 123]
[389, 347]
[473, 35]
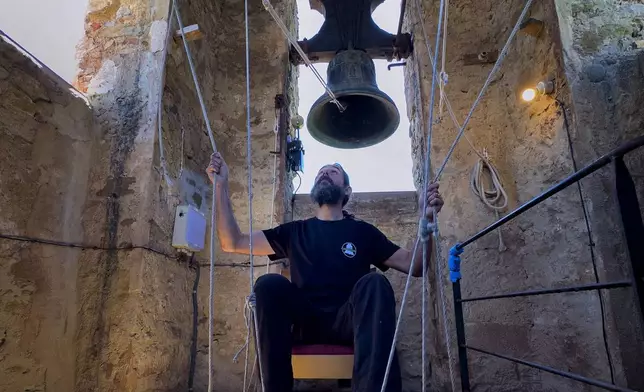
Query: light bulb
[529, 94]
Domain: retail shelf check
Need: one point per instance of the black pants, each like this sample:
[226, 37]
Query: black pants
[367, 320]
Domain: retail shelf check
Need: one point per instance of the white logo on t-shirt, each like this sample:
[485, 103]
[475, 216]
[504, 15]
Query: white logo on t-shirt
[349, 249]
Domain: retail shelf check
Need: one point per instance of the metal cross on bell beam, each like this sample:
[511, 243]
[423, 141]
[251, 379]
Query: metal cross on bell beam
[349, 40]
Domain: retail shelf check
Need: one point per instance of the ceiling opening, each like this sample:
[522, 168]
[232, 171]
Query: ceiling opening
[384, 167]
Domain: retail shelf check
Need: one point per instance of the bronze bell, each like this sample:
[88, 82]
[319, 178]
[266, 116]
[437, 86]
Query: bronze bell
[370, 116]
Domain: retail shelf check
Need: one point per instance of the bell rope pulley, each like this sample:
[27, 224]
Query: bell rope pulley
[350, 40]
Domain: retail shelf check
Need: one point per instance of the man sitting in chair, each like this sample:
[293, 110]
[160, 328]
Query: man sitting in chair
[333, 297]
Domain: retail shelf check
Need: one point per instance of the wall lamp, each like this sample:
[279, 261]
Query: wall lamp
[543, 88]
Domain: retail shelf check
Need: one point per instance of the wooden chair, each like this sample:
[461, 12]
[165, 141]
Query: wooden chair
[322, 361]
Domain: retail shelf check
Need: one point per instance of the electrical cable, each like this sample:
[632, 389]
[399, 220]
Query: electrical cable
[195, 329]
[298, 185]
[65, 244]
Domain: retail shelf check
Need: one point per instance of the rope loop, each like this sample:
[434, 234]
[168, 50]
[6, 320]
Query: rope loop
[249, 304]
[455, 263]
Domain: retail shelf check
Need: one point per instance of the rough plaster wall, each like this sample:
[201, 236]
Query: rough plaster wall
[396, 215]
[606, 77]
[220, 62]
[548, 246]
[136, 308]
[46, 137]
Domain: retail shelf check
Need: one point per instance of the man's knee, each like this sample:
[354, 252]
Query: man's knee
[374, 282]
[271, 285]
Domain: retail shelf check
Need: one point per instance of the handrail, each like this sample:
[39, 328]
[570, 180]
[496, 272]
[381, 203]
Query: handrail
[633, 229]
[574, 289]
[561, 373]
[591, 168]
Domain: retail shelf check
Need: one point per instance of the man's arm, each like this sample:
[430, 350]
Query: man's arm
[401, 260]
[230, 236]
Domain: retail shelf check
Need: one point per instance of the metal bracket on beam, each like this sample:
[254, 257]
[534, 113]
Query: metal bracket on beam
[387, 51]
[348, 25]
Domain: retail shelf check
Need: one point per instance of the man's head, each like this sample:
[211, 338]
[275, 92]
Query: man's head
[331, 186]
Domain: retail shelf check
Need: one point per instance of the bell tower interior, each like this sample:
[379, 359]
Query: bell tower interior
[93, 169]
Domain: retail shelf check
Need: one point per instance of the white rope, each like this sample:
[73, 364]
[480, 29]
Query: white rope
[496, 181]
[164, 164]
[494, 198]
[487, 83]
[250, 196]
[443, 75]
[403, 301]
[204, 112]
[305, 58]
[441, 291]
[426, 172]
[423, 320]
[252, 373]
[247, 323]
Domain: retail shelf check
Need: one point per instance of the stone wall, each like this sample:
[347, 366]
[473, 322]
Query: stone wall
[113, 314]
[601, 42]
[126, 313]
[548, 246]
[46, 138]
[137, 308]
[219, 59]
[396, 215]
[121, 319]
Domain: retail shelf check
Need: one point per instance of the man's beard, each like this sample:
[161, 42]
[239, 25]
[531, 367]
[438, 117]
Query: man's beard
[326, 192]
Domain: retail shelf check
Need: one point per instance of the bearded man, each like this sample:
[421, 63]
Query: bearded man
[333, 297]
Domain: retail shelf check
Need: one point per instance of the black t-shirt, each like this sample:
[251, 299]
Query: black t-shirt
[328, 257]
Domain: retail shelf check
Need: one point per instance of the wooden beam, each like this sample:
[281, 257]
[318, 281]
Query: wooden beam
[192, 33]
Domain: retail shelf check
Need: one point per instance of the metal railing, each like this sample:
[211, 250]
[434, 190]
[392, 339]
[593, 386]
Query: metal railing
[634, 235]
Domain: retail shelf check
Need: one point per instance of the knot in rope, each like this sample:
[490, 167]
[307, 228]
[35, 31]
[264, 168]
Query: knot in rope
[426, 228]
[444, 77]
[251, 300]
[455, 263]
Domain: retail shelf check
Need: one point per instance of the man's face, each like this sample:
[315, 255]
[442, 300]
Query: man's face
[329, 187]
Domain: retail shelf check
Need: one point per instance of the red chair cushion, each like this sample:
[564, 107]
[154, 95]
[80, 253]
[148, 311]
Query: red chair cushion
[322, 349]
